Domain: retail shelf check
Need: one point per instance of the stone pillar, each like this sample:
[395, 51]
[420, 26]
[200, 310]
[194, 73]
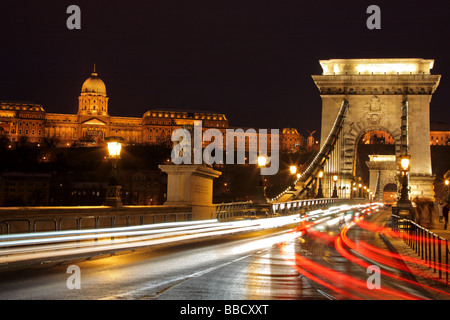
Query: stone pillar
[191, 185]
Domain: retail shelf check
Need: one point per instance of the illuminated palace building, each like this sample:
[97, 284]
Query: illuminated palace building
[92, 124]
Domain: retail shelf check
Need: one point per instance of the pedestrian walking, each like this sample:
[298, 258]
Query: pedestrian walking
[445, 214]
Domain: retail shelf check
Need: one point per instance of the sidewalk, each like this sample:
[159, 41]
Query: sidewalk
[424, 274]
[442, 233]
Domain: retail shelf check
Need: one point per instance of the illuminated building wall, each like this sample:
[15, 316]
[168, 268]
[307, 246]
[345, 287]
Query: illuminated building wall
[29, 122]
[439, 134]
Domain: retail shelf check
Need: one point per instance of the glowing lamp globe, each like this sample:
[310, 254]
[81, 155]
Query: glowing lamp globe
[114, 146]
[262, 161]
[404, 162]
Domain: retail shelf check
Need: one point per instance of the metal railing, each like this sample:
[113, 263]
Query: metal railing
[41, 246]
[293, 207]
[244, 210]
[95, 221]
[234, 210]
[430, 247]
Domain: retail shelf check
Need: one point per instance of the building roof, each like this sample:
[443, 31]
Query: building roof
[185, 114]
[94, 84]
[20, 105]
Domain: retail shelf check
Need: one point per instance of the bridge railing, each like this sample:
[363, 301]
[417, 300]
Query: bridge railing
[295, 206]
[29, 225]
[234, 210]
[244, 210]
[428, 245]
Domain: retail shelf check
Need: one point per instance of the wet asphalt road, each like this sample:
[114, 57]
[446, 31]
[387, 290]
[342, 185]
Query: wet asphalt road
[265, 265]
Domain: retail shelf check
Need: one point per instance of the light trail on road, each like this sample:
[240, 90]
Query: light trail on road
[43, 245]
[323, 254]
[361, 253]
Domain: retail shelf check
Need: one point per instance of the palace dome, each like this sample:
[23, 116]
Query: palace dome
[94, 84]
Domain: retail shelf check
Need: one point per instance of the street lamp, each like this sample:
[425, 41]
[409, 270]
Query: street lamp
[113, 189]
[404, 164]
[293, 170]
[359, 185]
[335, 194]
[262, 161]
[319, 191]
[447, 182]
[404, 204]
[261, 189]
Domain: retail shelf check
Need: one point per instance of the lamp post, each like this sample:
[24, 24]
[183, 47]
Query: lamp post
[404, 204]
[261, 189]
[447, 182]
[404, 165]
[335, 194]
[113, 189]
[293, 170]
[319, 191]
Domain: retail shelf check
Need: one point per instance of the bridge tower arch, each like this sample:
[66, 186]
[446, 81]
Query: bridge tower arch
[391, 95]
[351, 144]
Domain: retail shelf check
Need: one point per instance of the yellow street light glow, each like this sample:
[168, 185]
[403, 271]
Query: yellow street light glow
[404, 163]
[335, 178]
[293, 169]
[321, 174]
[114, 148]
[262, 161]
[446, 182]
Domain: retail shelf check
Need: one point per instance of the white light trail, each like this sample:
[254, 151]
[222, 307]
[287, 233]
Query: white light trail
[21, 247]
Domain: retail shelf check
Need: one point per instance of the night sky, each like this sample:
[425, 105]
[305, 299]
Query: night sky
[251, 60]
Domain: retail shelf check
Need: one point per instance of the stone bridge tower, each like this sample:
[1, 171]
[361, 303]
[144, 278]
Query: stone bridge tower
[379, 92]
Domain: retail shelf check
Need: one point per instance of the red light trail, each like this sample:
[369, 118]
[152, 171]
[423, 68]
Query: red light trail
[349, 286]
